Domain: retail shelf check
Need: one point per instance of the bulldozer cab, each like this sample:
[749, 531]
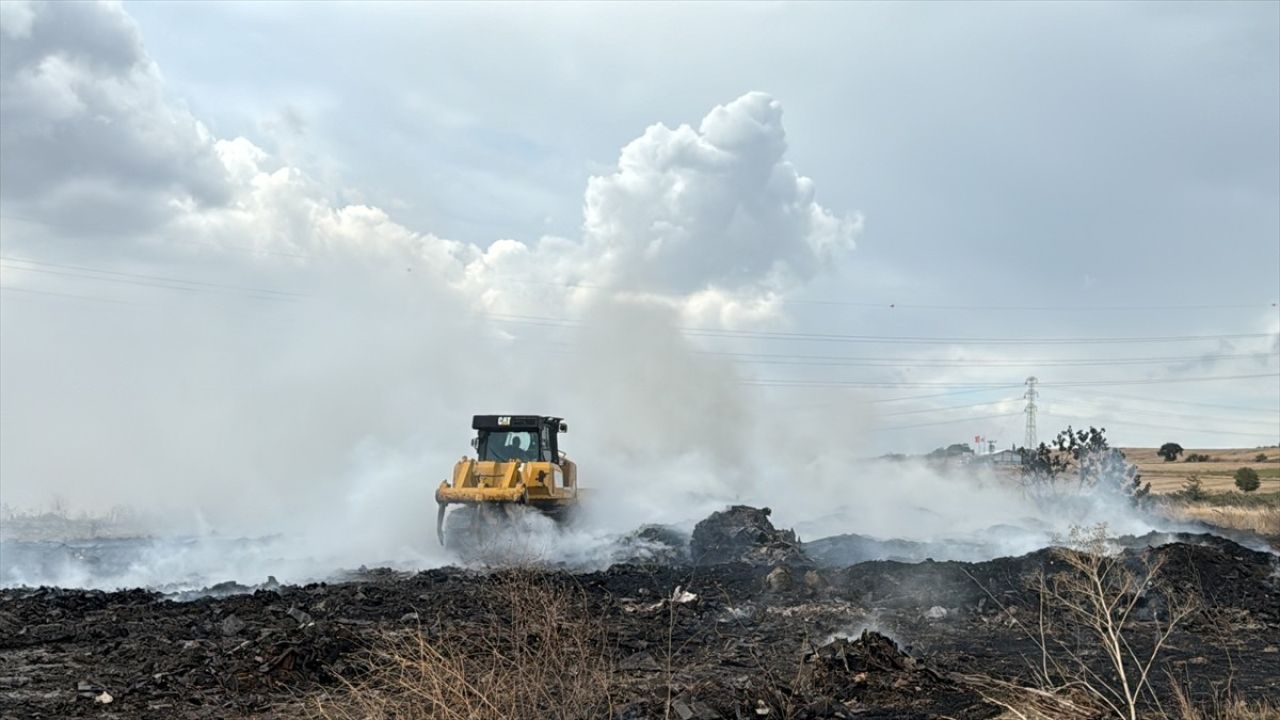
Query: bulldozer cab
[520, 438]
[518, 463]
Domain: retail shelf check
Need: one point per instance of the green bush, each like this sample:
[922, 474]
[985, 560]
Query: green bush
[1192, 489]
[1247, 479]
[1262, 457]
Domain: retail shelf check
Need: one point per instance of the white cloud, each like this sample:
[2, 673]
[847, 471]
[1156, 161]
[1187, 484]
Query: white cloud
[16, 18]
[89, 140]
[714, 221]
[718, 207]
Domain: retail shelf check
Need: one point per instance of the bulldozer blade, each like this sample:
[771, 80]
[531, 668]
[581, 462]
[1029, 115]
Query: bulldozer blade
[481, 495]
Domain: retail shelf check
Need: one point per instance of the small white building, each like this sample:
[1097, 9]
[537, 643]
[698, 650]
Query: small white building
[1004, 457]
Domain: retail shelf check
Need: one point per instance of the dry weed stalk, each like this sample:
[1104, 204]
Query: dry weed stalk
[542, 657]
[1098, 592]
[1026, 703]
[1222, 707]
[1263, 519]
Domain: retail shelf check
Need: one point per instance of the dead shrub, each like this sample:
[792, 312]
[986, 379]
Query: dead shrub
[541, 656]
[1087, 608]
[1096, 595]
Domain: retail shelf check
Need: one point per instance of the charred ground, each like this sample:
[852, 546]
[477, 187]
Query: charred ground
[743, 623]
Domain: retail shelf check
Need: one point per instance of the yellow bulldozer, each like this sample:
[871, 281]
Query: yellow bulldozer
[518, 464]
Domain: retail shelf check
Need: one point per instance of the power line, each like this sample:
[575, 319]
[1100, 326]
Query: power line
[1169, 427]
[783, 359]
[888, 339]
[848, 361]
[33, 291]
[945, 422]
[138, 276]
[1032, 308]
[952, 393]
[990, 385]
[1165, 401]
[921, 306]
[140, 283]
[908, 398]
[172, 283]
[833, 337]
[1202, 418]
[880, 305]
[946, 408]
[185, 241]
[819, 384]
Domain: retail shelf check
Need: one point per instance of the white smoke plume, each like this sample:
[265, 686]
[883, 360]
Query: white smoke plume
[195, 328]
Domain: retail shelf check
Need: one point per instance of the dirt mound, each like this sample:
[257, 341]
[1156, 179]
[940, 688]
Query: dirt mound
[659, 544]
[839, 551]
[1225, 575]
[872, 677]
[744, 534]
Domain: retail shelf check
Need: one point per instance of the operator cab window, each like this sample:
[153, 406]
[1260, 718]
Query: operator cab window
[546, 445]
[505, 446]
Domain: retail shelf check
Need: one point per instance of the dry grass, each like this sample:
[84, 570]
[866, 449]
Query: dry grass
[1025, 703]
[545, 657]
[1022, 703]
[1221, 708]
[1262, 519]
[1216, 474]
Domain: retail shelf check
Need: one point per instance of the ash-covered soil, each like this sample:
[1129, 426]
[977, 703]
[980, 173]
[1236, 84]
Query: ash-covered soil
[743, 623]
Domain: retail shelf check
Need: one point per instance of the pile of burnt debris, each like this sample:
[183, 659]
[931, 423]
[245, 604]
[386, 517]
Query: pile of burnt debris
[744, 534]
[747, 624]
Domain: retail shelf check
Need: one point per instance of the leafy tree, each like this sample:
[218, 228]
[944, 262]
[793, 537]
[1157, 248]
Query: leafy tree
[1247, 479]
[951, 451]
[1262, 457]
[1169, 451]
[1081, 461]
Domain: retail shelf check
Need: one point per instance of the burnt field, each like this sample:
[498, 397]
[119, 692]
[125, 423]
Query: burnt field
[740, 620]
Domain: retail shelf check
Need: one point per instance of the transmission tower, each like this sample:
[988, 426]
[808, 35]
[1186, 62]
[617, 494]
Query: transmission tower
[1031, 394]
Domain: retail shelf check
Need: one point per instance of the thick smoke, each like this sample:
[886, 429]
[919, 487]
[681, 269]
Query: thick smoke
[259, 359]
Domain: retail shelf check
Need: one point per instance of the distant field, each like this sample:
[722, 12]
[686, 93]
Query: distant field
[1216, 475]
